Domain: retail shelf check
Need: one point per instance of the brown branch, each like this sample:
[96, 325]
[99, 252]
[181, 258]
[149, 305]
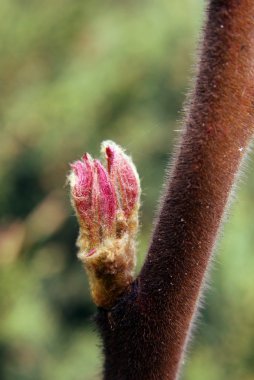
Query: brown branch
[145, 333]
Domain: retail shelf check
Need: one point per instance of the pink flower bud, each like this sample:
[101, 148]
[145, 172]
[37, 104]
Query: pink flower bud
[106, 202]
[81, 181]
[93, 196]
[124, 176]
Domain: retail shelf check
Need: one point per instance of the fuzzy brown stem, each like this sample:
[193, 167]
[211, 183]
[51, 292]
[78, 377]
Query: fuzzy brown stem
[146, 332]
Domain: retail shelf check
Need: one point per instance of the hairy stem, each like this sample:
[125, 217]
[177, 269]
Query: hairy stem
[145, 333]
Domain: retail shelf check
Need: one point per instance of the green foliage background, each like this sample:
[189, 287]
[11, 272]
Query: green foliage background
[73, 73]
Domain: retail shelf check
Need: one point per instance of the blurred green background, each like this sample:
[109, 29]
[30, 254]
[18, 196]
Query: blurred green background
[73, 73]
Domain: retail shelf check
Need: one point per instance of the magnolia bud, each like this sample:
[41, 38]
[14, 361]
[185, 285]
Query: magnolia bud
[124, 177]
[94, 200]
[106, 201]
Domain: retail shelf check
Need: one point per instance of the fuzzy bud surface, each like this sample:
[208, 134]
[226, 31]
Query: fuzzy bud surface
[106, 201]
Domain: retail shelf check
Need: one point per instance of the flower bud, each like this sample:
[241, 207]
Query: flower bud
[93, 198]
[124, 176]
[81, 182]
[106, 202]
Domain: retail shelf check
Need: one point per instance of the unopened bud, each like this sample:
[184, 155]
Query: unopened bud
[106, 201]
[94, 200]
[124, 176]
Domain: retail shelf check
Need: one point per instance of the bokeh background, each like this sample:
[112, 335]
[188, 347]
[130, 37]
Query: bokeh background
[73, 73]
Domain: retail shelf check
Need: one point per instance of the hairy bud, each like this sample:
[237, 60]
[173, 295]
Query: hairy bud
[106, 202]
